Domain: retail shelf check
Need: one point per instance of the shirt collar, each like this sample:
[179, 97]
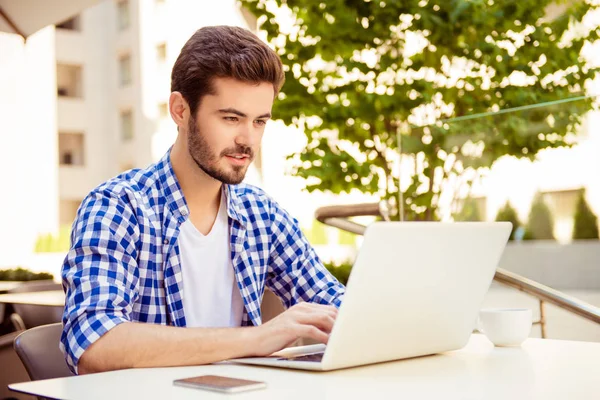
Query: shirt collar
[174, 199]
[235, 208]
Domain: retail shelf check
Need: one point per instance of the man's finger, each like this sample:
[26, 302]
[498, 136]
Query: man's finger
[316, 308]
[311, 332]
[322, 321]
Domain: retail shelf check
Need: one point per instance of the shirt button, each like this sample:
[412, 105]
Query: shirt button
[166, 241]
[184, 212]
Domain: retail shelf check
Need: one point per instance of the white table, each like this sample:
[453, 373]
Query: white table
[5, 286]
[540, 369]
[54, 298]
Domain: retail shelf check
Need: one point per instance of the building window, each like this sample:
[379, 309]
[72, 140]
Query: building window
[69, 80]
[126, 125]
[125, 70]
[163, 110]
[72, 24]
[562, 205]
[161, 53]
[71, 149]
[123, 15]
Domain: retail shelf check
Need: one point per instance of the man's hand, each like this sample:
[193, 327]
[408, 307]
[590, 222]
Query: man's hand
[151, 345]
[304, 320]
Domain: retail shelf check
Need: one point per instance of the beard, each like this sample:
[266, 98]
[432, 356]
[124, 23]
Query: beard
[206, 159]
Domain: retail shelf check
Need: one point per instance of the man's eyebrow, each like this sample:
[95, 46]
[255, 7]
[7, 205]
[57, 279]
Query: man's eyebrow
[241, 114]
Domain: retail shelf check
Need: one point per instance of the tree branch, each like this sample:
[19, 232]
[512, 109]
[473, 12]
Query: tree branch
[384, 164]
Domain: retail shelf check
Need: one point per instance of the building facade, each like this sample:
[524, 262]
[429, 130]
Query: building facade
[85, 100]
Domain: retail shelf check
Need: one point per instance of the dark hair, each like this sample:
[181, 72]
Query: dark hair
[223, 51]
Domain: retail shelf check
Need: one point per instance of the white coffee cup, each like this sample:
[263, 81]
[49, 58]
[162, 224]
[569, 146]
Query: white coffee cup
[506, 326]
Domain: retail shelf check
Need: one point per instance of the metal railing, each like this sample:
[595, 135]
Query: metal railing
[336, 216]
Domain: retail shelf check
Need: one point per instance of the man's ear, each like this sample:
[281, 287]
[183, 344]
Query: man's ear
[179, 109]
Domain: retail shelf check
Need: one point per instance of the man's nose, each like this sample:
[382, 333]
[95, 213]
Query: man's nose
[247, 135]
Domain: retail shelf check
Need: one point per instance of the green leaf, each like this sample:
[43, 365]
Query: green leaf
[362, 101]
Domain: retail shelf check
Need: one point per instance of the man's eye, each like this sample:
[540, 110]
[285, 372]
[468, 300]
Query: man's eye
[261, 122]
[230, 118]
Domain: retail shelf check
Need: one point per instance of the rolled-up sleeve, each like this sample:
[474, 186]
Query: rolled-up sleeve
[295, 272]
[99, 274]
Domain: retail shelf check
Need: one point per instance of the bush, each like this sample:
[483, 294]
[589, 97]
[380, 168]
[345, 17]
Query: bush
[540, 225]
[22, 274]
[340, 271]
[585, 221]
[469, 211]
[508, 213]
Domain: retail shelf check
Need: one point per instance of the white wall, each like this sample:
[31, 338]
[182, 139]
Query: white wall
[568, 266]
[28, 142]
[92, 114]
[31, 115]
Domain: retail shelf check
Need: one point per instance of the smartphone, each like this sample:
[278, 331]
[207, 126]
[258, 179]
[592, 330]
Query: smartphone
[221, 384]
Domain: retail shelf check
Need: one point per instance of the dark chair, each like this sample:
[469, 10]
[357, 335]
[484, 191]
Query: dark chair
[13, 370]
[38, 350]
[28, 316]
[271, 306]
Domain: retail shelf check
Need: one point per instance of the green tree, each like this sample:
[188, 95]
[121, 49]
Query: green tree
[540, 225]
[586, 222]
[340, 271]
[469, 211]
[355, 81]
[508, 213]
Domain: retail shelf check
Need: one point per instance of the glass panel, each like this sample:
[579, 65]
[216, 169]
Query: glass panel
[163, 110]
[533, 161]
[126, 125]
[71, 149]
[161, 53]
[125, 70]
[69, 80]
[123, 15]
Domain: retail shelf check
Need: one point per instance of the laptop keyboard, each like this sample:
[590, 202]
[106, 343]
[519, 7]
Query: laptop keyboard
[314, 357]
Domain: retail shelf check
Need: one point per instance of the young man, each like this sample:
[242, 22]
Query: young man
[168, 265]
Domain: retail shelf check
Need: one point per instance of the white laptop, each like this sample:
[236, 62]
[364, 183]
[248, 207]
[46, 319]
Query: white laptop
[415, 289]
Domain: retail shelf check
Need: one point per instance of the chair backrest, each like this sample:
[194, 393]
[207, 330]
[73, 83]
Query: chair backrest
[38, 350]
[271, 306]
[33, 315]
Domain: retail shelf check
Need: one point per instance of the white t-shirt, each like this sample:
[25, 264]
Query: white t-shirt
[211, 297]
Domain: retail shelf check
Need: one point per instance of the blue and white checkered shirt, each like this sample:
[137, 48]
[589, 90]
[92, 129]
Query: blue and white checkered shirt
[124, 262]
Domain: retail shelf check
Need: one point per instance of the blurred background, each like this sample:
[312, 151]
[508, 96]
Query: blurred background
[449, 111]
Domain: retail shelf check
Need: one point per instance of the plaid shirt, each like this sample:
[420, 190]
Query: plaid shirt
[124, 262]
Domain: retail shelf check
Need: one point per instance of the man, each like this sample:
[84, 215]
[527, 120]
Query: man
[168, 265]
